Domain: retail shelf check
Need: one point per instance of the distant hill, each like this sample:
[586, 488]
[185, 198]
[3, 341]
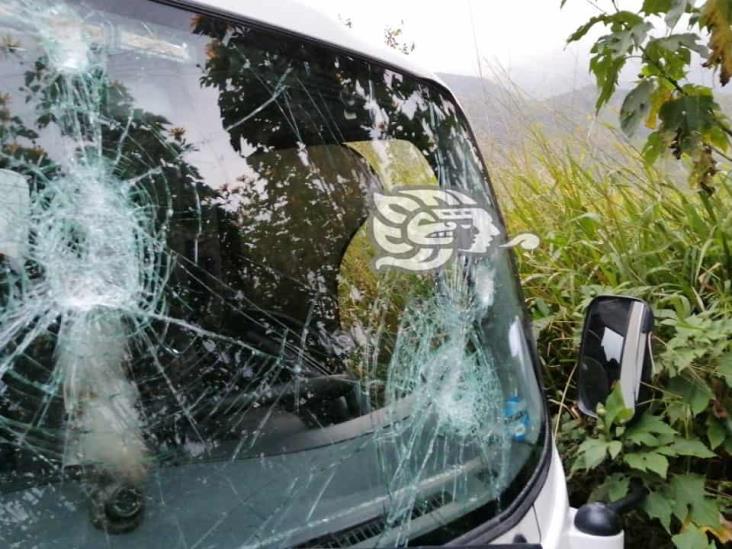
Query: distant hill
[501, 116]
[498, 114]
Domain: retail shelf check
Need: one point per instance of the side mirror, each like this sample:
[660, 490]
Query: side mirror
[615, 347]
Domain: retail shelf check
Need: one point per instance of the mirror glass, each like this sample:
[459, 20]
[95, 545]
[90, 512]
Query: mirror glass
[615, 347]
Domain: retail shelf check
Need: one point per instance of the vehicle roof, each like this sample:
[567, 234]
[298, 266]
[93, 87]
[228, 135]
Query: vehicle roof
[293, 16]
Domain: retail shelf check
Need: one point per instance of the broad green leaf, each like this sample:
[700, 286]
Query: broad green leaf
[688, 115]
[706, 513]
[594, 451]
[647, 461]
[615, 409]
[614, 447]
[649, 430]
[620, 43]
[610, 51]
[657, 463]
[636, 106]
[649, 423]
[675, 42]
[655, 146]
[656, 7]
[692, 538]
[716, 433]
[614, 487]
[676, 10]
[584, 29]
[656, 505]
[686, 447]
[607, 71]
[694, 393]
[691, 447]
[725, 368]
[643, 439]
[618, 489]
[690, 502]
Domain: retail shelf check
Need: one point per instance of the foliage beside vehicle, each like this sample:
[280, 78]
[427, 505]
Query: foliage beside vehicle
[623, 227]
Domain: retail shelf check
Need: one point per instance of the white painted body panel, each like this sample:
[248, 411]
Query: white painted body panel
[293, 16]
[550, 521]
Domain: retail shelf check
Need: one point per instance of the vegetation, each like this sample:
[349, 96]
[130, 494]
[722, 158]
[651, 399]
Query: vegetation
[623, 227]
[684, 116]
[615, 222]
[632, 230]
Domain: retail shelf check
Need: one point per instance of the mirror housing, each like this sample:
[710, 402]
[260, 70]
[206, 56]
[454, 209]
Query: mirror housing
[615, 347]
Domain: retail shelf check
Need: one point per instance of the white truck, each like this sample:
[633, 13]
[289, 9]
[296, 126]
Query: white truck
[256, 291]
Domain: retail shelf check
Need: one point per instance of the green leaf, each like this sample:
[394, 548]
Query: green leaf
[716, 433]
[657, 463]
[687, 116]
[594, 451]
[615, 410]
[636, 106]
[656, 7]
[676, 10]
[725, 368]
[694, 393]
[689, 501]
[614, 448]
[648, 461]
[654, 147]
[689, 447]
[614, 487]
[584, 29]
[643, 439]
[675, 42]
[656, 505]
[692, 538]
[648, 423]
[618, 489]
[606, 69]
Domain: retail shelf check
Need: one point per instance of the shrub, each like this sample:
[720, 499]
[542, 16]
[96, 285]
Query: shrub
[624, 227]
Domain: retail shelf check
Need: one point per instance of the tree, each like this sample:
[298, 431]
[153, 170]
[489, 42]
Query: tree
[393, 38]
[684, 117]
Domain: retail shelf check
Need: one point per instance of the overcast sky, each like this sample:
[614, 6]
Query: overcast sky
[525, 38]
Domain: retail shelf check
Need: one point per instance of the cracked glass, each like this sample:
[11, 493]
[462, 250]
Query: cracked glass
[195, 347]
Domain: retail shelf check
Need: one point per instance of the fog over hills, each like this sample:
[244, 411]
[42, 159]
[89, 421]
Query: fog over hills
[503, 115]
[499, 113]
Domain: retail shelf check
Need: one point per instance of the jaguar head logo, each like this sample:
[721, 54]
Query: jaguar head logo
[421, 229]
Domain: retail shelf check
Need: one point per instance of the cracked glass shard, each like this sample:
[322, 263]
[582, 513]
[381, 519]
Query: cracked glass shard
[195, 348]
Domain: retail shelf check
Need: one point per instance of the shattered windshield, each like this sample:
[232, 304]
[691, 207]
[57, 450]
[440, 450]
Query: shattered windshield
[201, 343]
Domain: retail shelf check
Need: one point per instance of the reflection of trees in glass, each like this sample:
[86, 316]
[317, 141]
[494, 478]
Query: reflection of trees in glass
[283, 105]
[19, 147]
[137, 150]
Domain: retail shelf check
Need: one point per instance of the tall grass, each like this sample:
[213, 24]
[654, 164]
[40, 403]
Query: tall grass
[612, 223]
[609, 223]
